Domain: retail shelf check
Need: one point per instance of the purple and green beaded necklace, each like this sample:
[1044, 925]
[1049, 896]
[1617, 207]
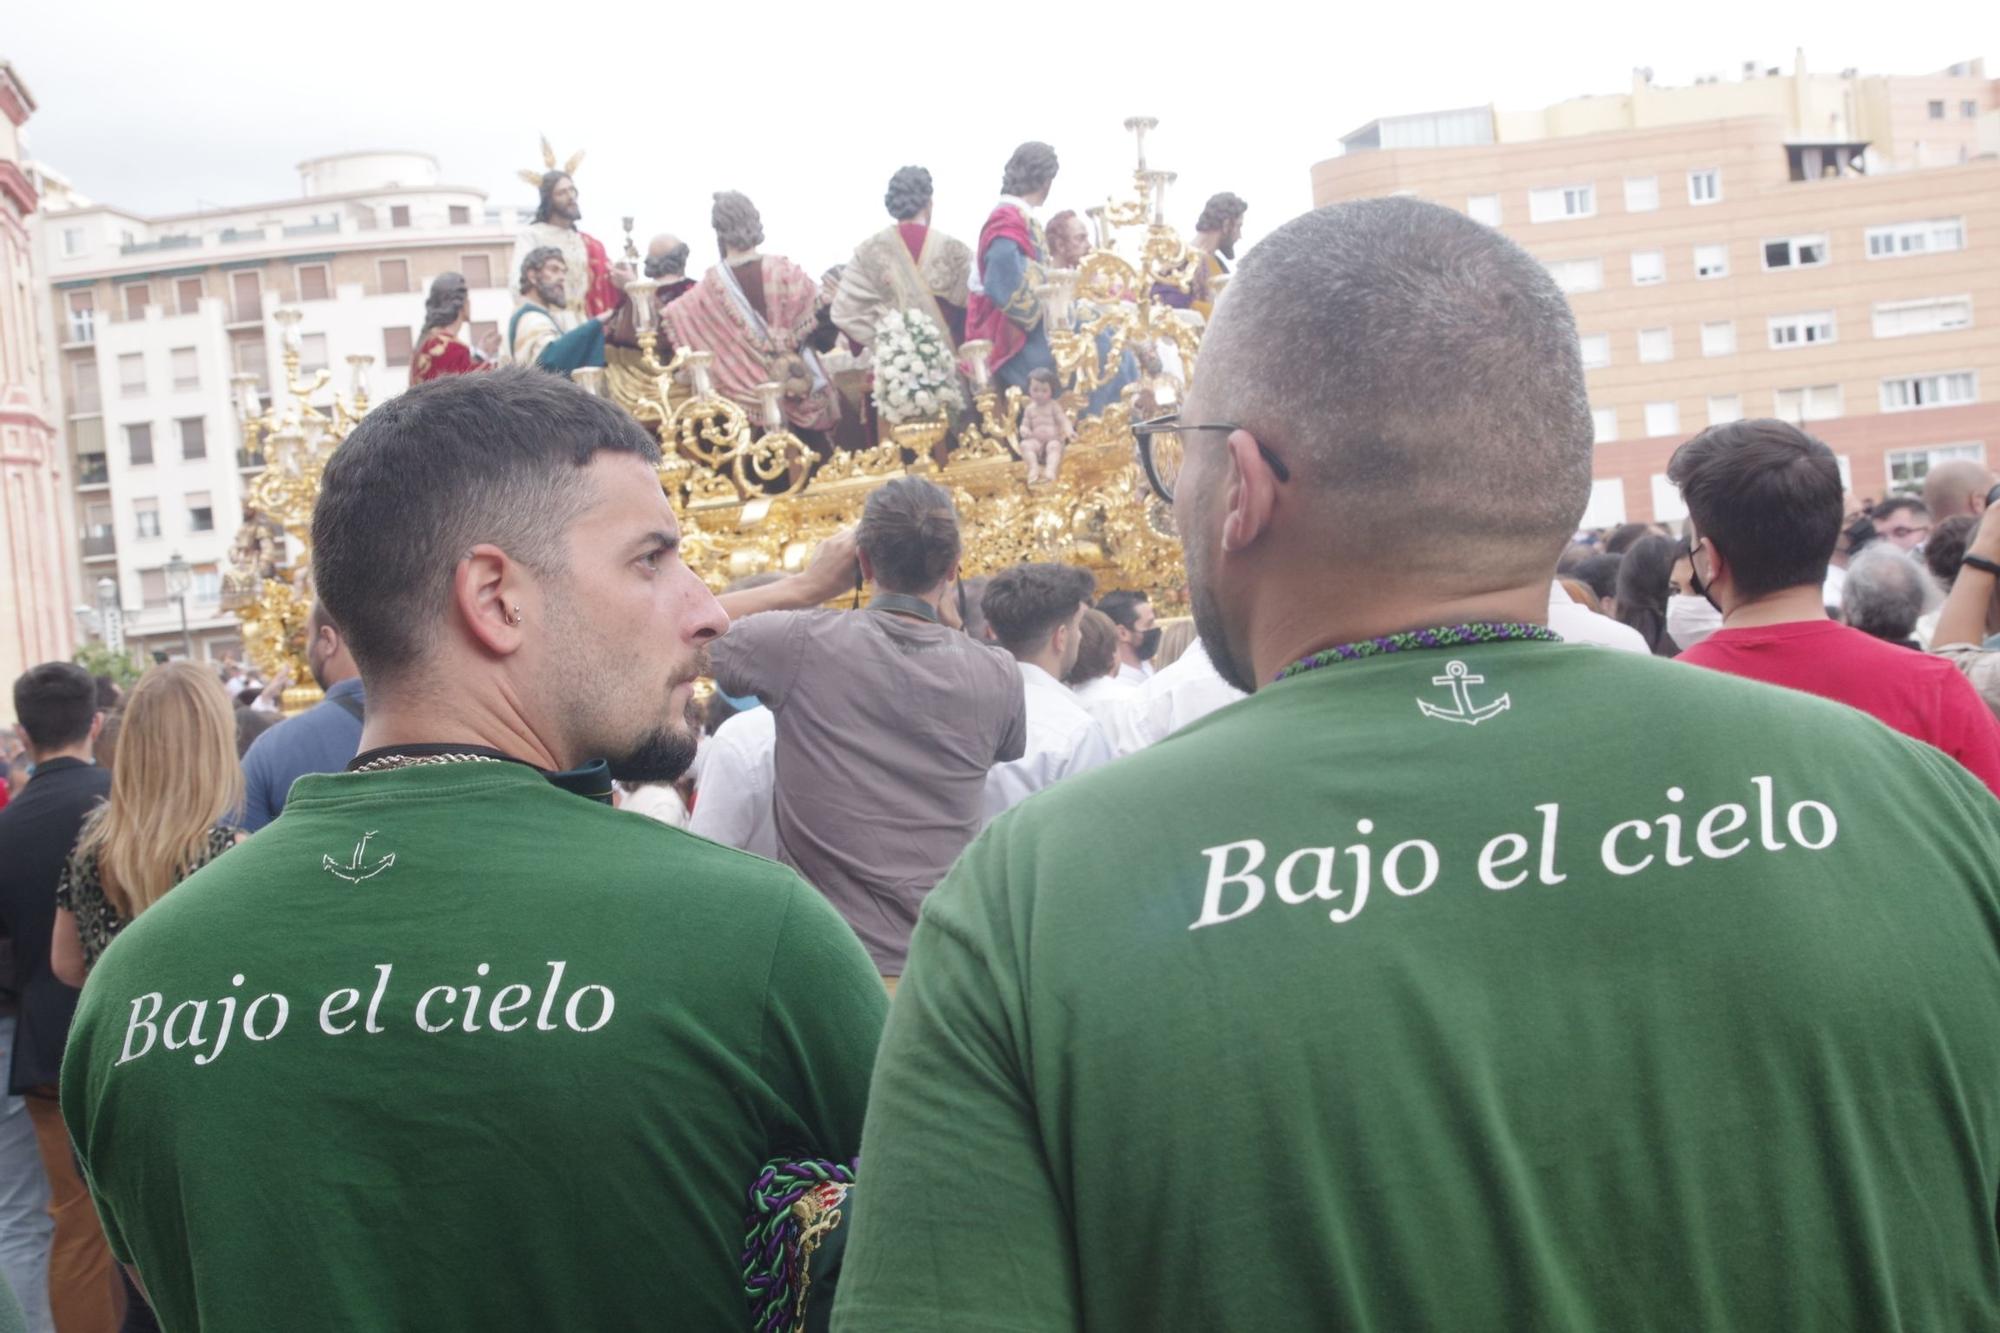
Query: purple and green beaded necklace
[1445, 636]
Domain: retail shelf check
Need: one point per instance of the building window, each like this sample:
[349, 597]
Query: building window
[1642, 194]
[249, 357]
[194, 437]
[1562, 201]
[1648, 267]
[1968, 110]
[461, 215]
[132, 375]
[1656, 344]
[395, 275]
[1577, 275]
[1596, 350]
[246, 297]
[153, 588]
[1916, 238]
[97, 527]
[1668, 507]
[1663, 419]
[1937, 110]
[146, 515]
[477, 270]
[1909, 467]
[207, 584]
[1711, 261]
[139, 444]
[1807, 330]
[1719, 338]
[1900, 319]
[1607, 504]
[85, 396]
[1818, 402]
[187, 295]
[396, 346]
[312, 352]
[1705, 186]
[314, 283]
[399, 215]
[1484, 208]
[187, 371]
[201, 513]
[1604, 424]
[1724, 408]
[1911, 392]
[82, 316]
[72, 242]
[1795, 252]
[137, 297]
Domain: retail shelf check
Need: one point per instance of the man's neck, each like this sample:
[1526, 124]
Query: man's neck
[1046, 660]
[1308, 629]
[81, 752]
[1207, 240]
[1786, 606]
[736, 257]
[1128, 657]
[456, 719]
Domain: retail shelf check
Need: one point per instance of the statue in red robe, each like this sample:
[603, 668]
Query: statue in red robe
[438, 350]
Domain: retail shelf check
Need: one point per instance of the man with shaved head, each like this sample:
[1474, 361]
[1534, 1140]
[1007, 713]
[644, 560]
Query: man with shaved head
[1455, 979]
[1957, 487]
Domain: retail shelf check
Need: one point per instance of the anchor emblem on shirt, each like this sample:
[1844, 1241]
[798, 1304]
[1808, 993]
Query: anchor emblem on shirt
[353, 871]
[1457, 678]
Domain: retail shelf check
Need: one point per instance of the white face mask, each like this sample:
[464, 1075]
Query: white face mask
[1691, 619]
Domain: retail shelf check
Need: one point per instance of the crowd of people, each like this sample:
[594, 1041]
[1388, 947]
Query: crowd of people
[943, 966]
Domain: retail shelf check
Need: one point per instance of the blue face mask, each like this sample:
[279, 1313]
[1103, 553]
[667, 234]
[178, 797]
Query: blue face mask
[743, 703]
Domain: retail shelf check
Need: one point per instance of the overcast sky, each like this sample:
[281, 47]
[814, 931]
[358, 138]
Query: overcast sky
[810, 107]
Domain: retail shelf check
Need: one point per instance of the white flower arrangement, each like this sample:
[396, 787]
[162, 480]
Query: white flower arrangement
[916, 372]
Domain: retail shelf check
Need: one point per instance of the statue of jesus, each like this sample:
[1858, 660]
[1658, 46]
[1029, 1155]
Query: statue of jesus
[593, 285]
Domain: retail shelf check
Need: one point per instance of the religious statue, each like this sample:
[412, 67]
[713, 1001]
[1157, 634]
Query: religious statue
[1003, 308]
[535, 335]
[755, 314]
[1216, 233]
[593, 286]
[906, 266]
[253, 557]
[439, 351]
[624, 361]
[1069, 239]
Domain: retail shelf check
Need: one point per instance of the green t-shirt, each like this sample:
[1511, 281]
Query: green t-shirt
[475, 1054]
[1673, 1002]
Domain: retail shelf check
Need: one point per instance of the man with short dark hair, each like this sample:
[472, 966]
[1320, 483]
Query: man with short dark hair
[320, 740]
[888, 721]
[1763, 502]
[1903, 521]
[1036, 611]
[65, 1269]
[1138, 632]
[453, 1045]
[1348, 1007]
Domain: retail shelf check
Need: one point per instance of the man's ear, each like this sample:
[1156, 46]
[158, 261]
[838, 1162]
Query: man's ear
[488, 590]
[1252, 494]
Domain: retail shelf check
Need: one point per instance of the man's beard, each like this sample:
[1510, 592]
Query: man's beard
[661, 755]
[552, 293]
[1227, 249]
[1208, 625]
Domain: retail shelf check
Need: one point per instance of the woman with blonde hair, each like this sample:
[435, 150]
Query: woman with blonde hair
[1175, 636]
[177, 779]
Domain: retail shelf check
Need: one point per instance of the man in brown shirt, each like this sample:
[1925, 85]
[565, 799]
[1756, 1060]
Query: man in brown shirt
[888, 720]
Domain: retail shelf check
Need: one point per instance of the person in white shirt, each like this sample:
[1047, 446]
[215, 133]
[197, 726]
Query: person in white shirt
[1185, 692]
[1579, 624]
[1035, 611]
[732, 804]
[1138, 633]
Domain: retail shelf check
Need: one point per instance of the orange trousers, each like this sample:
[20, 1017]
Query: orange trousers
[85, 1295]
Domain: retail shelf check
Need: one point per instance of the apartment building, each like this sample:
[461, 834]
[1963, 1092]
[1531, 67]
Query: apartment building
[1820, 248]
[154, 316]
[37, 566]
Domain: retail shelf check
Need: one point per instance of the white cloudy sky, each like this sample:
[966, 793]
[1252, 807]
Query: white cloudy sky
[810, 106]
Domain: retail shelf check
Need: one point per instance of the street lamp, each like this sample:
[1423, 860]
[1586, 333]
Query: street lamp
[110, 618]
[180, 581]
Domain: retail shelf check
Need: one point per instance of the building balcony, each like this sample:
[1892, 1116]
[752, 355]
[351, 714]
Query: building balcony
[240, 315]
[238, 235]
[79, 332]
[162, 243]
[92, 470]
[250, 460]
[326, 228]
[100, 548]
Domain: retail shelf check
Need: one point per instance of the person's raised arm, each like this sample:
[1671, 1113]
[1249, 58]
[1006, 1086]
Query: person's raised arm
[833, 570]
[1968, 611]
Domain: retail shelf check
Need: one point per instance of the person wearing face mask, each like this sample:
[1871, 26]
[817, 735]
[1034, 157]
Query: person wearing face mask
[1138, 633]
[1763, 501]
[1690, 618]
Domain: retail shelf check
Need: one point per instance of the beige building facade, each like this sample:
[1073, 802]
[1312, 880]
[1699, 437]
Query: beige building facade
[1825, 249]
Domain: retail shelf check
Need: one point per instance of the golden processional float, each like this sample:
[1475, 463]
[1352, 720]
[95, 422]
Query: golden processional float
[752, 497]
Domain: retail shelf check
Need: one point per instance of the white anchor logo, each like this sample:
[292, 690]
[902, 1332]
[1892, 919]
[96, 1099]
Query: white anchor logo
[1456, 679]
[352, 872]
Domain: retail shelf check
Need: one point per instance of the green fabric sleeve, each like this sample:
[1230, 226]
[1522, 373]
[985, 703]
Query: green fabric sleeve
[962, 1225]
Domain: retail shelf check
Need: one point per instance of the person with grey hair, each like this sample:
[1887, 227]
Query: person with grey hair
[888, 720]
[595, 283]
[1396, 995]
[535, 334]
[1886, 593]
[907, 266]
[756, 315]
[666, 263]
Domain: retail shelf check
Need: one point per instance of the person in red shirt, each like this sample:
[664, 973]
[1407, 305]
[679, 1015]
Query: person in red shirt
[1763, 501]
